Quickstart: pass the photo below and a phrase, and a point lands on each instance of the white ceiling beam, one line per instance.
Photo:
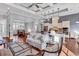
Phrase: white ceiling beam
(32, 13)
(21, 8)
(24, 9)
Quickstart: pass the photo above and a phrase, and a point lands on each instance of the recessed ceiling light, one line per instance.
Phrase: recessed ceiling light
(77, 22)
(8, 8)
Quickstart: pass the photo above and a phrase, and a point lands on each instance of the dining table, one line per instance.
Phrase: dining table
(50, 48)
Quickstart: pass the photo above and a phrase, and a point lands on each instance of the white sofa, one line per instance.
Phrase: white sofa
(39, 41)
(35, 40)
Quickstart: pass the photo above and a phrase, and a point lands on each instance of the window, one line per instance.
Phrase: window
(17, 26)
(1, 29)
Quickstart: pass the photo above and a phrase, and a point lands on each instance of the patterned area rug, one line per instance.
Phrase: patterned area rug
(20, 49)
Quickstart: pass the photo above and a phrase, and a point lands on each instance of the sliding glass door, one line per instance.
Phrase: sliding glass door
(2, 28)
(18, 26)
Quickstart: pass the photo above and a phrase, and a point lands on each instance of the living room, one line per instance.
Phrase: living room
(39, 29)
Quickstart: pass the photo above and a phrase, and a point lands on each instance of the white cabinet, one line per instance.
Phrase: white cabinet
(66, 24)
(66, 27)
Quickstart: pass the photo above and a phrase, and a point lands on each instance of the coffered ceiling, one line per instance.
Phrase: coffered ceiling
(47, 10)
(43, 10)
(36, 7)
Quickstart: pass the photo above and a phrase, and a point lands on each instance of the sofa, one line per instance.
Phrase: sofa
(35, 40)
(39, 41)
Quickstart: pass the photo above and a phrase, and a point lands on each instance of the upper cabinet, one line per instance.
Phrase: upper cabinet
(66, 24)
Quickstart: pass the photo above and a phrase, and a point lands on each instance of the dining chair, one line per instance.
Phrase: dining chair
(57, 49)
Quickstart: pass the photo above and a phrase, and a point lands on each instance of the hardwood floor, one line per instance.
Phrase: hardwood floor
(8, 52)
(5, 52)
(72, 45)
